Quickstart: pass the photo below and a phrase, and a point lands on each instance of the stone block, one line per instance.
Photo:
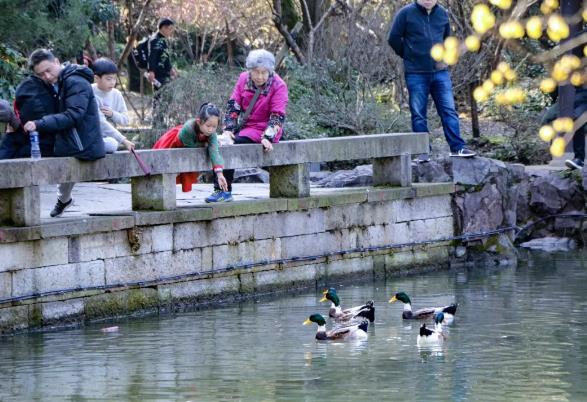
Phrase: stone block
(101, 246)
(60, 310)
(199, 289)
(342, 197)
(316, 244)
(432, 229)
(394, 171)
(20, 206)
(245, 253)
(289, 224)
(376, 236)
(390, 194)
(289, 181)
(5, 285)
(13, 235)
(286, 277)
(182, 214)
(431, 189)
(422, 208)
(231, 230)
(14, 318)
(190, 235)
(88, 225)
(254, 207)
(113, 304)
(57, 277)
(30, 254)
(155, 192)
(157, 238)
(301, 204)
(350, 266)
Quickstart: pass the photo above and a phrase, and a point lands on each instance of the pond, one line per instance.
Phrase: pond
(519, 334)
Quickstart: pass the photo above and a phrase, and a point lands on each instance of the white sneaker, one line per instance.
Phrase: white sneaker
(463, 153)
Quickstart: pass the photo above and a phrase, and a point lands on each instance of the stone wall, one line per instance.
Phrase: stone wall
(107, 266)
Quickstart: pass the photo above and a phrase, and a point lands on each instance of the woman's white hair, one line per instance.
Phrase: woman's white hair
(260, 58)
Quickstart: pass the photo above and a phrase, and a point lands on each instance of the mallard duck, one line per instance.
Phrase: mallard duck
(356, 331)
(435, 336)
(424, 313)
(367, 310)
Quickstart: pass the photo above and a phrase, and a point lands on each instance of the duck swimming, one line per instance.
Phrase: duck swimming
(428, 337)
(367, 310)
(347, 332)
(424, 313)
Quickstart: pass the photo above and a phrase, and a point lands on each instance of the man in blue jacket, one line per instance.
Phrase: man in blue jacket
(414, 30)
(77, 123)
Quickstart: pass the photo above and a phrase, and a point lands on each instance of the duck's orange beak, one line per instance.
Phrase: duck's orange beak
(323, 299)
(325, 291)
(393, 299)
(307, 322)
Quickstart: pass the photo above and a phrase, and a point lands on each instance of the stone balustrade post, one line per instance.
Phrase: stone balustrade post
(394, 171)
(20, 206)
(154, 192)
(289, 181)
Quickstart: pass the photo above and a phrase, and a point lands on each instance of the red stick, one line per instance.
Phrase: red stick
(142, 164)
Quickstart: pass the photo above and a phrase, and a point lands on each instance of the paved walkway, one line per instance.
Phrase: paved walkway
(104, 198)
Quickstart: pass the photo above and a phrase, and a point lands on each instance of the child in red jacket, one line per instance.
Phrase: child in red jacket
(197, 133)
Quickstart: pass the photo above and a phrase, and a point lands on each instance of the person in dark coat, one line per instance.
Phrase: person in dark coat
(34, 99)
(160, 71)
(76, 123)
(414, 30)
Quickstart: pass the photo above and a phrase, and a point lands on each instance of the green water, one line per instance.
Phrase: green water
(519, 335)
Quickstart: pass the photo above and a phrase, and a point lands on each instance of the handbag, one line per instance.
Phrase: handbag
(243, 119)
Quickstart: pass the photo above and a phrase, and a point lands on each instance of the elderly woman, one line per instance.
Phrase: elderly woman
(255, 112)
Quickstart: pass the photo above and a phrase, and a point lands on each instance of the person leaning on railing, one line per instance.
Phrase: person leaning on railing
(255, 112)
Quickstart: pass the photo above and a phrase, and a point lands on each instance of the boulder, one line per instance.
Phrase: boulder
(359, 176)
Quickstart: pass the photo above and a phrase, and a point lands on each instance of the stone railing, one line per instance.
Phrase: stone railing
(287, 165)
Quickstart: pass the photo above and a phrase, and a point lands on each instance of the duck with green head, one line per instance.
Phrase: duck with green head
(366, 310)
(428, 337)
(353, 331)
(424, 313)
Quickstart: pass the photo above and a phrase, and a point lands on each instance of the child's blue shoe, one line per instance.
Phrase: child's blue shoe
(219, 196)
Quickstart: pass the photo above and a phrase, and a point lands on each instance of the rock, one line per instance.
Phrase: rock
(359, 176)
(430, 172)
(317, 176)
(475, 171)
(460, 251)
(252, 175)
(552, 194)
(551, 244)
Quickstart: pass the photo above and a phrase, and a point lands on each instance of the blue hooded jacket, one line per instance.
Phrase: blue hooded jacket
(413, 33)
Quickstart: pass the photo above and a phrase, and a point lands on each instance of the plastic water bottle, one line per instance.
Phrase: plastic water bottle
(35, 149)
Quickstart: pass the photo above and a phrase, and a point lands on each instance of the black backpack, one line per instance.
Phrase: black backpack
(142, 51)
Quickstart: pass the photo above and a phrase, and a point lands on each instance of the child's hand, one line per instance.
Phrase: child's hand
(107, 110)
(228, 134)
(30, 126)
(222, 181)
(128, 145)
(267, 146)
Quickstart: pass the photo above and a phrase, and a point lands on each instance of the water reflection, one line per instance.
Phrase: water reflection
(519, 335)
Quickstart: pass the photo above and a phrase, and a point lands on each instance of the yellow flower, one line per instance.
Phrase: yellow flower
(557, 28)
(451, 56)
(546, 133)
(503, 4)
(534, 27)
(510, 75)
(496, 77)
(502, 67)
(548, 85)
(488, 86)
(480, 94)
(437, 52)
(563, 125)
(511, 30)
(472, 43)
(557, 149)
(451, 42)
(482, 18)
(577, 79)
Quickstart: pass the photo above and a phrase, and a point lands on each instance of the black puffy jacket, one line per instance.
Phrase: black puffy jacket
(34, 99)
(77, 123)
